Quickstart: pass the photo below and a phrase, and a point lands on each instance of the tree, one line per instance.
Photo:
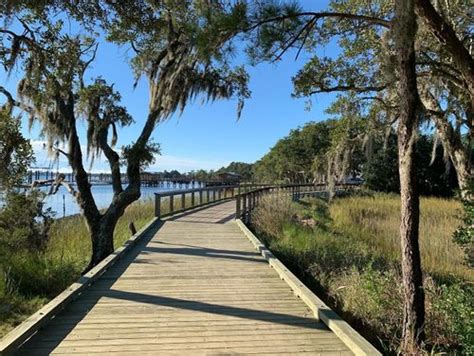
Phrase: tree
(241, 168)
(435, 177)
(16, 153)
(349, 136)
(404, 31)
(292, 157)
(170, 50)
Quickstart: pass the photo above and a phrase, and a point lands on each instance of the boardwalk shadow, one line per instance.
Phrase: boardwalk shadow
(189, 250)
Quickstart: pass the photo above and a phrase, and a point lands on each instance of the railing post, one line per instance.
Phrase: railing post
(183, 201)
(208, 194)
(192, 199)
(200, 197)
(244, 214)
(158, 206)
(171, 203)
(237, 207)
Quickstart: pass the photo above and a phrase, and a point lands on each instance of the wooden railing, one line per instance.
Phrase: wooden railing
(247, 201)
(177, 201)
(247, 196)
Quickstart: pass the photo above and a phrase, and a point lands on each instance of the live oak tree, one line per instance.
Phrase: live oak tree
(180, 47)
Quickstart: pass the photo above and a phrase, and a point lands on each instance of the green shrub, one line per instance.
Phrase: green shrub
(456, 304)
(24, 224)
(464, 235)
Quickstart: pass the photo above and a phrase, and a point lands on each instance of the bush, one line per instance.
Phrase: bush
(456, 304)
(464, 235)
(24, 225)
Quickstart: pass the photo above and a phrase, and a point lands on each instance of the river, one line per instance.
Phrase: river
(64, 203)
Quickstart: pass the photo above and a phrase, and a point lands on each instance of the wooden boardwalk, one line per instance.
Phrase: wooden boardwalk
(194, 285)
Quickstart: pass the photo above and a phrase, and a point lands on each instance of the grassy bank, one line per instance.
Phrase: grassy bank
(30, 279)
(348, 252)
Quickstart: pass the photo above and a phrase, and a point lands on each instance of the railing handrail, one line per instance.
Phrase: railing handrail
(273, 186)
(165, 193)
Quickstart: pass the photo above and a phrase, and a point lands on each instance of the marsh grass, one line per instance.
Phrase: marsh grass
(375, 220)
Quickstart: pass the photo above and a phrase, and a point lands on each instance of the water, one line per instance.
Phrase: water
(64, 204)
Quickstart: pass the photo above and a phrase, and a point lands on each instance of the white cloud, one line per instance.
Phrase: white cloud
(184, 164)
(164, 162)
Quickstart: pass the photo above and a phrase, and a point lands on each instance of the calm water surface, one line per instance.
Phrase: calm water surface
(64, 203)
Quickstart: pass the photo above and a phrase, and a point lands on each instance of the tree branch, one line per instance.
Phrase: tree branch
(352, 88)
(114, 162)
(446, 35)
(319, 15)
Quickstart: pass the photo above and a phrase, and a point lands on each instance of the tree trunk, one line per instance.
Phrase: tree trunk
(461, 163)
(413, 313)
(102, 236)
(452, 141)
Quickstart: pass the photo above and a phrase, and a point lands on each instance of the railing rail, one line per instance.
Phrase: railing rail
(247, 201)
(178, 201)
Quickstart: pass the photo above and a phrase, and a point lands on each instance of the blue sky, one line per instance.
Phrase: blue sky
(209, 136)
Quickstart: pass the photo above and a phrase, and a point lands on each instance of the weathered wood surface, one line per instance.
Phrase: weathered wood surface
(196, 286)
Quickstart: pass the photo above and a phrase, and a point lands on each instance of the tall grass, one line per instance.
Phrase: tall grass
(376, 220)
(348, 252)
(31, 279)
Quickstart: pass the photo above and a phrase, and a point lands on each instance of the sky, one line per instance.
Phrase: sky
(206, 136)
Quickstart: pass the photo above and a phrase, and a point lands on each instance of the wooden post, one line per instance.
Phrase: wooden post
(192, 199)
(183, 201)
(131, 227)
(244, 205)
(219, 194)
(237, 207)
(157, 205)
(208, 196)
(200, 197)
(171, 203)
